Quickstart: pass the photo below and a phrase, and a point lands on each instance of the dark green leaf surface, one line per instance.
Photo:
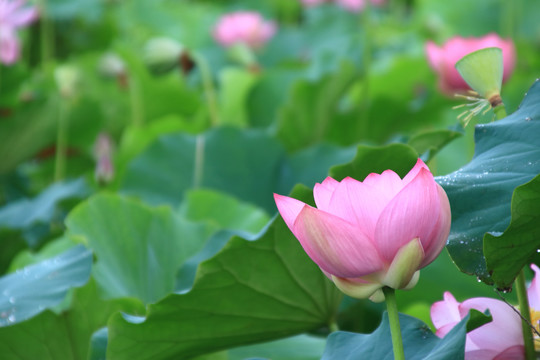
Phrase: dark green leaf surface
(41, 209)
(35, 288)
(247, 164)
(139, 248)
(306, 119)
(64, 336)
(223, 210)
(225, 159)
(369, 159)
(301, 347)
(508, 253)
(429, 143)
(507, 153)
(252, 291)
(98, 345)
(419, 342)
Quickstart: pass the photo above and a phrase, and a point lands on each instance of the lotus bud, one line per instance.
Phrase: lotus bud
(365, 235)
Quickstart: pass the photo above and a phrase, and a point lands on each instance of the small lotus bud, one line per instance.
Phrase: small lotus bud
(483, 71)
(103, 151)
(162, 54)
(111, 65)
(243, 55)
(67, 79)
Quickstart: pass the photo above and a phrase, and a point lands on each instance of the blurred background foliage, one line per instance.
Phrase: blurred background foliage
(332, 89)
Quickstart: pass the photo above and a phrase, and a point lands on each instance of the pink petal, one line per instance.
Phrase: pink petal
(322, 193)
(337, 246)
(388, 183)
(23, 17)
(288, 208)
(341, 203)
(441, 230)
(412, 213)
(414, 171)
(9, 46)
(481, 354)
(513, 353)
(533, 292)
(434, 55)
(445, 312)
(503, 332)
(442, 331)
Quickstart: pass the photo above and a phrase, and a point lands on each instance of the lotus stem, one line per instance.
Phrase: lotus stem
(393, 318)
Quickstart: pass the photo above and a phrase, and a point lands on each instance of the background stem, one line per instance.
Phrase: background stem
(525, 311)
(500, 111)
(393, 318)
(208, 85)
(61, 141)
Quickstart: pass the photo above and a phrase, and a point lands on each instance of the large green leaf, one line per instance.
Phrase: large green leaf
(507, 153)
(301, 347)
(247, 164)
(251, 291)
(310, 113)
(43, 208)
(419, 342)
(370, 159)
(64, 336)
(223, 210)
(226, 159)
(139, 248)
(31, 290)
(508, 253)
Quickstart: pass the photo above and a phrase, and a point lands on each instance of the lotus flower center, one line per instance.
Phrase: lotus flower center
(535, 321)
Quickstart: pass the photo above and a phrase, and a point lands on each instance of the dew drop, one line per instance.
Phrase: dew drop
(11, 319)
(528, 119)
(12, 300)
(538, 250)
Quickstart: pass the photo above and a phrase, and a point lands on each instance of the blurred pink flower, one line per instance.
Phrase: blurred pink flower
(358, 5)
(443, 59)
(247, 27)
(533, 294)
(375, 233)
(103, 153)
(13, 16)
(500, 339)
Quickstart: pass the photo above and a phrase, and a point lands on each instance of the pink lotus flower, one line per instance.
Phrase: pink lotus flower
(533, 294)
(13, 16)
(245, 27)
(358, 5)
(500, 339)
(443, 59)
(371, 234)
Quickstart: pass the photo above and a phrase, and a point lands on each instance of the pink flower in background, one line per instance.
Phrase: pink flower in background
(533, 294)
(12, 16)
(500, 339)
(358, 5)
(375, 233)
(103, 153)
(443, 59)
(247, 27)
